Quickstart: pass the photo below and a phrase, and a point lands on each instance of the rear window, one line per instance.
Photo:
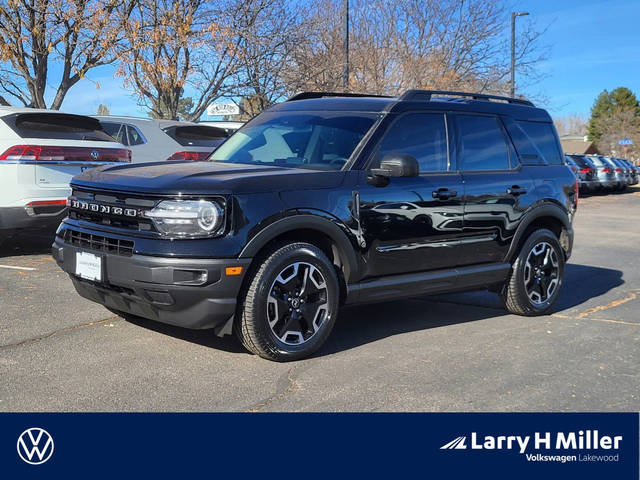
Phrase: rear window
(57, 126)
(581, 161)
(544, 138)
(197, 136)
(482, 143)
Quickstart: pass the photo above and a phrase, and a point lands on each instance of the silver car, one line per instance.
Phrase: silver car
(620, 173)
(157, 140)
(604, 172)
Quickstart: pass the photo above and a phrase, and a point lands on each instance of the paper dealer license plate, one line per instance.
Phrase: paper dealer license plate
(89, 266)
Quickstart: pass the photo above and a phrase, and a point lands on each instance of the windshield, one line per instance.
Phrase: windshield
(314, 140)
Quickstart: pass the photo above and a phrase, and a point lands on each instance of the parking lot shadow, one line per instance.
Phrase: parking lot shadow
(206, 338)
(582, 282)
(368, 323)
(26, 244)
(362, 324)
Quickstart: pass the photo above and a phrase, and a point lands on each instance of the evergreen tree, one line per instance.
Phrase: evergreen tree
(608, 106)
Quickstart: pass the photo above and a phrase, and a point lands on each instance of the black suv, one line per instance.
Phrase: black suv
(330, 199)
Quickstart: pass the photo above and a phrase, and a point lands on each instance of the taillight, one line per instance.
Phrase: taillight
(45, 203)
(606, 170)
(586, 170)
(618, 170)
(575, 206)
(190, 156)
(50, 153)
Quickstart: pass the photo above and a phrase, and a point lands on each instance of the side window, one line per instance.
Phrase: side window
(482, 144)
(544, 138)
(135, 137)
(421, 135)
(115, 130)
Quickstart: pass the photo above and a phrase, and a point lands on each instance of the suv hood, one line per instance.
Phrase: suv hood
(205, 178)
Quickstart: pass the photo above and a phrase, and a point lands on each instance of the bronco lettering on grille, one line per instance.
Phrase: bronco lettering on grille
(96, 207)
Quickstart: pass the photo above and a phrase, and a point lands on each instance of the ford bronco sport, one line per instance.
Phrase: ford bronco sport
(330, 199)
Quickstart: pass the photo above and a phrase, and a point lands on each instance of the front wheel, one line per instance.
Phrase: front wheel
(536, 275)
(290, 305)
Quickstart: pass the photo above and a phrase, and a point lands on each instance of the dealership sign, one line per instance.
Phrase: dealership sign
(222, 109)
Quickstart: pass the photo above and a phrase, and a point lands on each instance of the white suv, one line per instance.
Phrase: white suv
(40, 151)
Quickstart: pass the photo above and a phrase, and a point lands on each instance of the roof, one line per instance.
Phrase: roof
(6, 110)
(161, 122)
(577, 144)
(415, 100)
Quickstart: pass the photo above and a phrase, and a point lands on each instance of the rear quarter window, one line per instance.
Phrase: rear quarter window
(543, 137)
(197, 136)
(57, 126)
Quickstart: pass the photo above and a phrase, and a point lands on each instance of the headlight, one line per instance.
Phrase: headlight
(187, 218)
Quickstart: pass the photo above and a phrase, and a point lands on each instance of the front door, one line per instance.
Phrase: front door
(412, 224)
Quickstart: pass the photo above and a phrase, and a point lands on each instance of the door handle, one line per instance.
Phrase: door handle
(444, 194)
(516, 190)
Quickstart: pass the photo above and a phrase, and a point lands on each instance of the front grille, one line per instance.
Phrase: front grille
(112, 210)
(91, 241)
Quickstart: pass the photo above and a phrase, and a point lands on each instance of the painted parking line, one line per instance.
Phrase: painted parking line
(11, 267)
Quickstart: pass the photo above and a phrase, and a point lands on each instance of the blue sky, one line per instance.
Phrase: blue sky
(593, 45)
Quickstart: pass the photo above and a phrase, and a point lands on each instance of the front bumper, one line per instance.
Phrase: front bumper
(167, 290)
(13, 219)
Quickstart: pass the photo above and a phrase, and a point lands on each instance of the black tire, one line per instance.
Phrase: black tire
(516, 295)
(259, 308)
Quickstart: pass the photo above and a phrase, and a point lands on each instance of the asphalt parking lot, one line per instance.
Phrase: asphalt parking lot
(461, 352)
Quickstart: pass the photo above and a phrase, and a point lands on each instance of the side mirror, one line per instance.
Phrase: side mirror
(393, 165)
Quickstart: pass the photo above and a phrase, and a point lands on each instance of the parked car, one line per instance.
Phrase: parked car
(619, 172)
(155, 140)
(330, 199)
(40, 151)
(632, 169)
(604, 172)
(626, 170)
(584, 171)
(229, 127)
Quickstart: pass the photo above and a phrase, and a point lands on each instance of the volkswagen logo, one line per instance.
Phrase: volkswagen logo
(35, 446)
(95, 154)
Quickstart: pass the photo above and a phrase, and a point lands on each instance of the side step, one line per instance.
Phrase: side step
(425, 283)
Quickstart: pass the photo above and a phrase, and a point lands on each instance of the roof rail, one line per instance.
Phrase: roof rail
(425, 96)
(309, 95)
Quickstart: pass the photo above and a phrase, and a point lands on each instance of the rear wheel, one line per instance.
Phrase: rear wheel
(536, 275)
(290, 305)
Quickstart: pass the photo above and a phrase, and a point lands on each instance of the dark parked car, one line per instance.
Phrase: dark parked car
(330, 199)
(633, 171)
(584, 171)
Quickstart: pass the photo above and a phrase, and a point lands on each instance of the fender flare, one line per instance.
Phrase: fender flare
(548, 210)
(312, 222)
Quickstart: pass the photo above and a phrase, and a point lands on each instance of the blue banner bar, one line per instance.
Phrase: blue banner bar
(386, 445)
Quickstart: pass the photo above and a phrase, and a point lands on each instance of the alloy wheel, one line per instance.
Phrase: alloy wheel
(298, 303)
(541, 273)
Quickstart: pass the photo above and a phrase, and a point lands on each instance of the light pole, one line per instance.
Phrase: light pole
(513, 49)
(345, 45)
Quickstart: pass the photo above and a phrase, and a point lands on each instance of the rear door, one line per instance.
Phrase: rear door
(497, 190)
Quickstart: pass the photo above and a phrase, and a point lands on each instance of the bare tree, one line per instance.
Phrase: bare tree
(80, 34)
(267, 32)
(401, 44)
(177, 47)
(572, 124)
